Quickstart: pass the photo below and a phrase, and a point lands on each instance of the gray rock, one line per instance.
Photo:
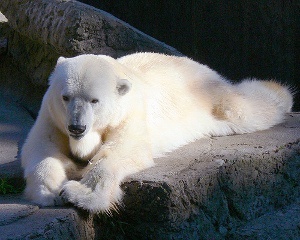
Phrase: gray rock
(46, 29)
(208, 188)
(282, 224)
(21, 220)
(72, 27)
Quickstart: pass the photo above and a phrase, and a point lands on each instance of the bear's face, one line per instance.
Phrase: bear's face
(89, 92)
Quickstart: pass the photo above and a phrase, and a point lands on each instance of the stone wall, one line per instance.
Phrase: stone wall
(40, 31)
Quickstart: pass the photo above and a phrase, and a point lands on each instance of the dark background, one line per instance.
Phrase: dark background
(238, 38)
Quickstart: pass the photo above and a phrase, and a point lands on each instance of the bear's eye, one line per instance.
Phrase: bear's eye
(94, 101)
(65, 98)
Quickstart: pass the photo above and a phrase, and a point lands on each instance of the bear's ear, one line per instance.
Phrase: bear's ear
(123, 86)
(60, 60)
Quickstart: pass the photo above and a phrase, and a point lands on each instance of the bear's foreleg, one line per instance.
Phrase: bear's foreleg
(44, 182)
(46, 165)
(99, 190)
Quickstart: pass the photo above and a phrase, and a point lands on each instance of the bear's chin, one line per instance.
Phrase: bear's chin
(85, 146)
(76, 137)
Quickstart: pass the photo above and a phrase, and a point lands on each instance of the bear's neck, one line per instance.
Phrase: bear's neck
(86, 148)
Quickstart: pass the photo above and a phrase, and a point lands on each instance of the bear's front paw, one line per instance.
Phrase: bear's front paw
(75, 192)
(95, 201)
(42, 196)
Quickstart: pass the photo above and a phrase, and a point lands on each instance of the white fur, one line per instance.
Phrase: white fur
(134, 109)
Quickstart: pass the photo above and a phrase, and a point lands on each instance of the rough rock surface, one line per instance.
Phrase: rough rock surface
(21, 220)
(45, 29)
(280, 224)
(72, 28)
(209, 188)
(35, 33)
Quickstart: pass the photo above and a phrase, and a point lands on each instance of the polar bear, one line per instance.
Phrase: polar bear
(103, 119)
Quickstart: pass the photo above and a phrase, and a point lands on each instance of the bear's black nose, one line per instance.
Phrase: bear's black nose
(76, 129)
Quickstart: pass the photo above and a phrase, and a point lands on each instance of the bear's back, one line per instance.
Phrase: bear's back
(176, 91)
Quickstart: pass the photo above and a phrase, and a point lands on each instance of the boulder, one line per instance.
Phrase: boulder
(43, 30)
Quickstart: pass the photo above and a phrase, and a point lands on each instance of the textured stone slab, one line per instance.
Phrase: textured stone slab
(13, 210)
(281, 224)
(42, 30)
(21, 220)
(206, 189)
(72, 27)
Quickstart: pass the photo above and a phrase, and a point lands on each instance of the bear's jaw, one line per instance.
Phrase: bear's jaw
(76, 137)
(86, 146)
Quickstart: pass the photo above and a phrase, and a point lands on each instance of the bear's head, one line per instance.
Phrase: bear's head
(86, 93)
